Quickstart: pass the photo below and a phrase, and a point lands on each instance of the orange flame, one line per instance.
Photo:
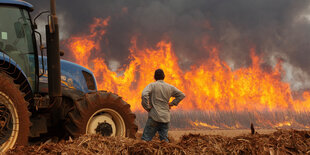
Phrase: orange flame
(281, 124)
(205, 125)
(210, 85)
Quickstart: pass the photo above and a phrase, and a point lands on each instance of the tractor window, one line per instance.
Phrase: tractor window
(16, 39)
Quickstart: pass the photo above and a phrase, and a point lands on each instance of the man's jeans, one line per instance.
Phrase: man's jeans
(152, 127)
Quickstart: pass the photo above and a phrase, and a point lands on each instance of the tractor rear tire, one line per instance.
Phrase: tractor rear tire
(104, 112)
(14, 115)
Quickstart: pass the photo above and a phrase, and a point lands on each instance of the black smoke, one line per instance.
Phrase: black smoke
(276, 28)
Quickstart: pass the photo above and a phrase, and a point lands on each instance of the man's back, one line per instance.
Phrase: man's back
(158, 94)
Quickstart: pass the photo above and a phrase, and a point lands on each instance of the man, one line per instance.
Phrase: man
(155, 100)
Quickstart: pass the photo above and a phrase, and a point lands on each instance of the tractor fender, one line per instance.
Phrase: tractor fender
(11, 68)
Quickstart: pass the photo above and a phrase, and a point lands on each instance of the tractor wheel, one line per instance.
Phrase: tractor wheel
(103, 113)
(14, 115)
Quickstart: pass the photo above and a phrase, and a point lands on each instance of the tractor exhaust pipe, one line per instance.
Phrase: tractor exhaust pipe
(53, 54)
(53, 66)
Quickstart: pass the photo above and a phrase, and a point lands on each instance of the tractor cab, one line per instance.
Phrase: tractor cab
(17, 37)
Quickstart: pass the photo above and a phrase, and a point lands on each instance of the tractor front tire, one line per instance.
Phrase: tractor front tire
(14, 115)
(103, 113)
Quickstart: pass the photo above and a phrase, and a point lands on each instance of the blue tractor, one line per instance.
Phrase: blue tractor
(44, 96)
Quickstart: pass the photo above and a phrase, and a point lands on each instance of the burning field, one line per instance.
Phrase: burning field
(237, 64)
(209, 85)
(279, 142)
(217, 96)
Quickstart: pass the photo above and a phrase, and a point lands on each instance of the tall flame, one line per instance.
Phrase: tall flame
(209, 85)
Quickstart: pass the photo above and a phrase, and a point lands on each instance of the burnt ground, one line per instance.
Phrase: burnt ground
(279, 142)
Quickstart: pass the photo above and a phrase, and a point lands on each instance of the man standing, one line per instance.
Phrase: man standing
(155, 100)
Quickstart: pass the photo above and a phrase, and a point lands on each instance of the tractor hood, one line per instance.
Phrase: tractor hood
(73, 76)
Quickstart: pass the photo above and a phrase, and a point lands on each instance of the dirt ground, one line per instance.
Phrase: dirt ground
(227, 133)
(177, 134)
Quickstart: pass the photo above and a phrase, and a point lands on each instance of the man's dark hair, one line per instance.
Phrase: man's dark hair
(159, 74)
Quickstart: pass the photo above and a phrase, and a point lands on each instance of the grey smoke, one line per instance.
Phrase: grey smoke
(276, 28)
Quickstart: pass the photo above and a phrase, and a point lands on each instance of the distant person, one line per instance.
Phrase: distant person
(155, 100)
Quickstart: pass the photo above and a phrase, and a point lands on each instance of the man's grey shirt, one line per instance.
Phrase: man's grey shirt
(155, 99)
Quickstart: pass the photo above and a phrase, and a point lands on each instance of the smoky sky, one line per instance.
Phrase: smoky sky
(275, 28)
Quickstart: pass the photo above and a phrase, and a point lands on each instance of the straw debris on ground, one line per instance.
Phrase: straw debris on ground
(279, 142)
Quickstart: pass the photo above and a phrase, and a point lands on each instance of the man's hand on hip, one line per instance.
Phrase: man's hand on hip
(170, 105)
